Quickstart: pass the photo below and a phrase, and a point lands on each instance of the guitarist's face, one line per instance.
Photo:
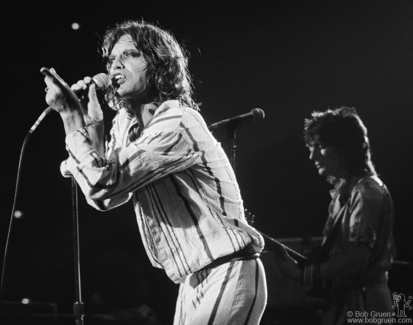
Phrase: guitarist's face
(326, 160)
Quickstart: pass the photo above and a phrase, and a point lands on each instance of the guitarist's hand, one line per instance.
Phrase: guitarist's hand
(288, 265)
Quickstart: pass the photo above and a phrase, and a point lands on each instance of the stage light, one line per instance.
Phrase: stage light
(18, 214)
(25, 301)
(75, 26)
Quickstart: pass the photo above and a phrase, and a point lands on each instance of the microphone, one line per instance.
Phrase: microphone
(256, 114)
(101, 80)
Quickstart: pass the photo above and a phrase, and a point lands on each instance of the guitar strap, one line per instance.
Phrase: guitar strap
(334, 231)
(320, 287)
(329, 241)
(343, 201)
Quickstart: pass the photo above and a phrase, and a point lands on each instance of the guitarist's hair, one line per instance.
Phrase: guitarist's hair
(342, 129)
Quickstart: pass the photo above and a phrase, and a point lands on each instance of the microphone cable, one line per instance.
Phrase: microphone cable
(16, 191)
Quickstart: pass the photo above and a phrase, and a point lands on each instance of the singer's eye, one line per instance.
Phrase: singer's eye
(109, 62)
(130, 55)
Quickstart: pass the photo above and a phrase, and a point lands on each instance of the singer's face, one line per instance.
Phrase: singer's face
(127, 70)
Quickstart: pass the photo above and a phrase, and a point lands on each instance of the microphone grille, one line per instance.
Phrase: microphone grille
(102, 80)
(258, 114)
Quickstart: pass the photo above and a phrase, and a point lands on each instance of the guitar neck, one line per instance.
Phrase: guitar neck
(275, 246)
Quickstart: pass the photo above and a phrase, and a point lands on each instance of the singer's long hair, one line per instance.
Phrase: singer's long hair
(167, 72)
(342, 129)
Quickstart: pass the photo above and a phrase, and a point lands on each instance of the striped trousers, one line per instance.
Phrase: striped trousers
(234, 293)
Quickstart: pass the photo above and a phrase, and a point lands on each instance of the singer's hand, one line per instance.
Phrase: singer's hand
(63, 100)
(59, 95)
(92, 112)
(86, 90)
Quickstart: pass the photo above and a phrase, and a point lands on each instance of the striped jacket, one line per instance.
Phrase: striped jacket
(187, 201)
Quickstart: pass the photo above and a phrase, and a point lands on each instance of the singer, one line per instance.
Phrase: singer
(358, 247)
(161, 154)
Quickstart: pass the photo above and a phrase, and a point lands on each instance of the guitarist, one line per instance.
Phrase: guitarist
(358, 243)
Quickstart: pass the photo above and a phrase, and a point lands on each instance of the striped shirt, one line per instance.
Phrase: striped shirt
(186, 198)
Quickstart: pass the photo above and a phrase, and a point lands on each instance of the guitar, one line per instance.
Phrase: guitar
(318, 255)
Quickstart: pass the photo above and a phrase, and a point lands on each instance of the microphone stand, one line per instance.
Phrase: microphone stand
(78, 304)
(232, 123)
(231, 135)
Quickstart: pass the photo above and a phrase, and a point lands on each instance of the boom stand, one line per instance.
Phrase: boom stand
(78, 305)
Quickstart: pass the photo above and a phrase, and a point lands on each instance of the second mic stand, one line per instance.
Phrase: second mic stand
(231, 135)
(78, 305)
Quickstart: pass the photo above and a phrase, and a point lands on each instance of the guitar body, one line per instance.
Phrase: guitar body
(321, 288)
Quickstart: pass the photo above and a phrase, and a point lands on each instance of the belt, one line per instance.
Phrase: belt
(247, 253)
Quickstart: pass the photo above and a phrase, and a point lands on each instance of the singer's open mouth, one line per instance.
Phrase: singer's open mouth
(117, 79)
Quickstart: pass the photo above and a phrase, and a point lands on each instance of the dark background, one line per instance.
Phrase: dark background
(288, 58)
